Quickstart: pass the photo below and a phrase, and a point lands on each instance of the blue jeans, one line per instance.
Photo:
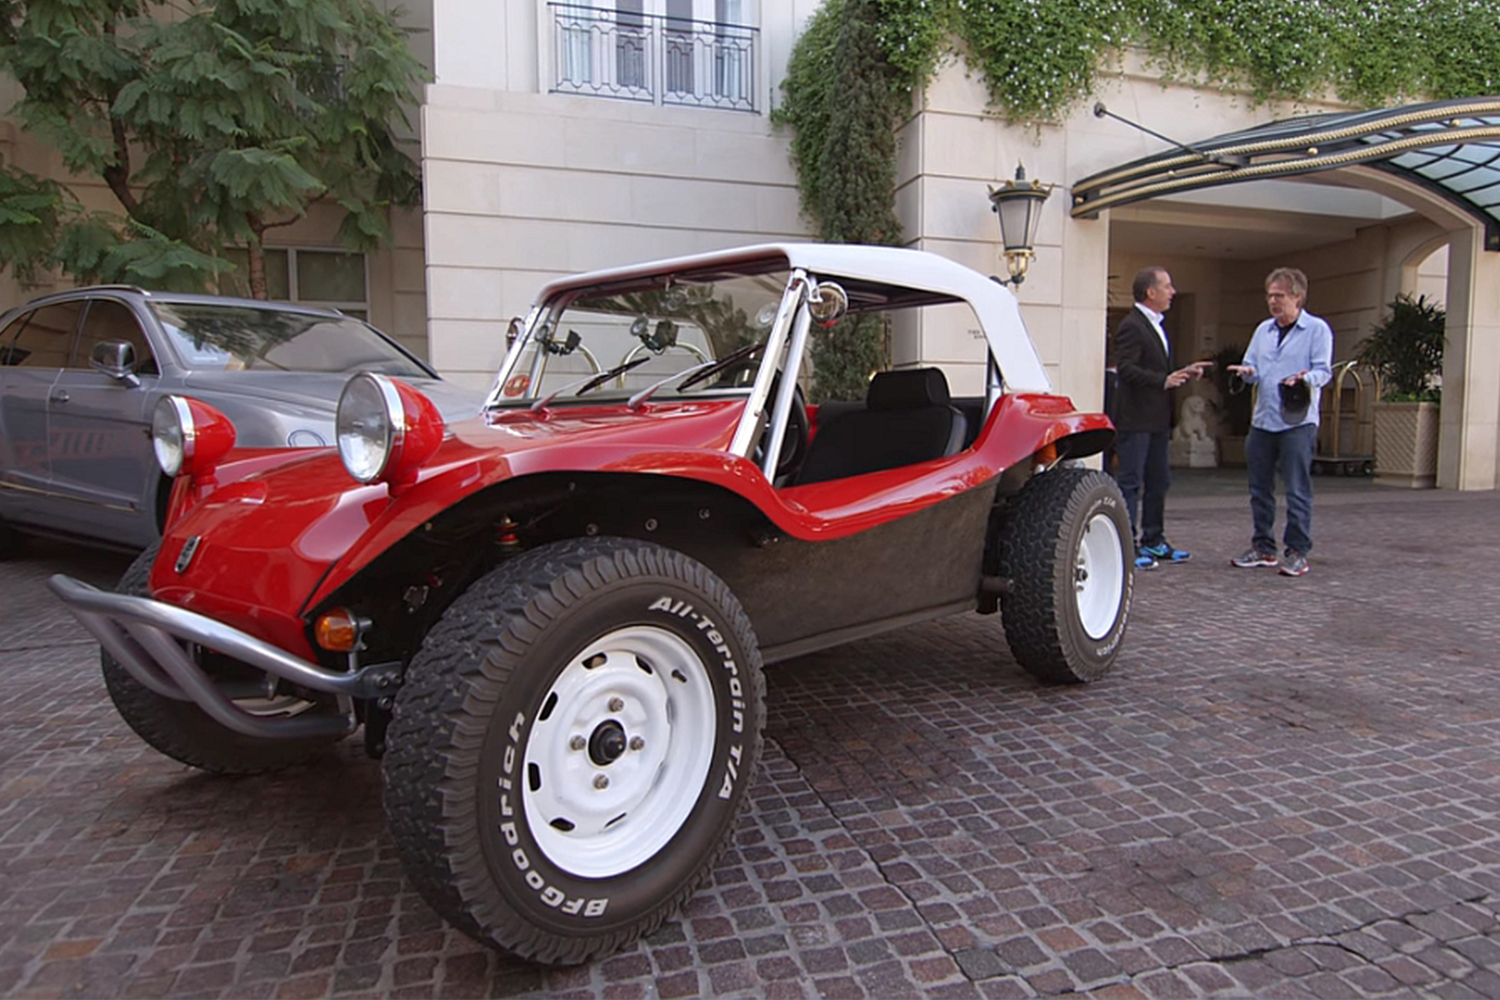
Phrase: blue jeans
(1290, 453)
(1144, 474)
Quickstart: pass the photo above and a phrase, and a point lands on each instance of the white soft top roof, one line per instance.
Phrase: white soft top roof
(994, 305)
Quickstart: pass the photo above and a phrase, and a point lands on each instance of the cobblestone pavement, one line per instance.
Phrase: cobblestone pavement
(1287, 788)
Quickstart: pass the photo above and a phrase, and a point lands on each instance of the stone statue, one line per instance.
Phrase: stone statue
(1193, 443)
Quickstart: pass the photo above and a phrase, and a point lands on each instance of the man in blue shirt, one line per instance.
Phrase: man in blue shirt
(1289, 357)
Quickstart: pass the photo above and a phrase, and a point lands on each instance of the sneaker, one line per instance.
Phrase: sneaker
(1163, 552)
(1145, 560)
(1293, 564)
(1252, 558)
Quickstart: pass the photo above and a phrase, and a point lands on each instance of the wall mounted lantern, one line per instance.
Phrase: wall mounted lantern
(1018, 203)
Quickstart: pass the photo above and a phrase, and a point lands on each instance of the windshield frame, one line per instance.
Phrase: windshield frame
(524, 358)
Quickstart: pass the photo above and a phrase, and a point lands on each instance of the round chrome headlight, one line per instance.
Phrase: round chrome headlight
(369, 425)
(172, 433)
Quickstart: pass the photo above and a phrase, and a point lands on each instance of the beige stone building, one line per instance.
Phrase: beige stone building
(560, 137)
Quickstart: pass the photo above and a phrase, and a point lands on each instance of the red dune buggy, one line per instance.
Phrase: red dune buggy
(550, 620)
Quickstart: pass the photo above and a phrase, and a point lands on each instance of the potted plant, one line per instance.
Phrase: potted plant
(1406, 353)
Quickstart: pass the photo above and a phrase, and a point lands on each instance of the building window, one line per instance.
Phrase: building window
(631, 39)
(733, 72)
(677, 47)
(695, 53)
(331, 278)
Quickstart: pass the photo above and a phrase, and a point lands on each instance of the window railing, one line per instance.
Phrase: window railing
(653, 58)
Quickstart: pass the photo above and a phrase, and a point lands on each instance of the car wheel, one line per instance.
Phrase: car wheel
(1065, 544)
(572, 745)
(183, 731)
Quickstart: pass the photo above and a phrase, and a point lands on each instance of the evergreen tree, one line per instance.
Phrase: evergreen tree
(211, 124)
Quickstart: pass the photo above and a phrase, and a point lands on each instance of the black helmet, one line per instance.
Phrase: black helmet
(1295, 398)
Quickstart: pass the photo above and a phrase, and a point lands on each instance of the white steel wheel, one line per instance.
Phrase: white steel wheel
(1099, 575)
(619, 751)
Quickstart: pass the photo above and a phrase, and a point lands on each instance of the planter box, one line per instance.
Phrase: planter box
(1406, 444)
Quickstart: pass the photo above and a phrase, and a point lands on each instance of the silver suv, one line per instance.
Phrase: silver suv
(81, 372)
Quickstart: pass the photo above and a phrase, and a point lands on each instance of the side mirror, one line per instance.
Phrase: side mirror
(828, 303)
(115, 358)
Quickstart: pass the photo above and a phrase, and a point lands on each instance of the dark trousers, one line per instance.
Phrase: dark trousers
(1289, 453)
(1144, 475)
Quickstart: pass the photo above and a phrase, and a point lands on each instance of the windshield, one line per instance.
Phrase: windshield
(652, 334)
(221, 337)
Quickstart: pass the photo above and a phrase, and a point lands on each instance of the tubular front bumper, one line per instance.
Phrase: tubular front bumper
(147, 637)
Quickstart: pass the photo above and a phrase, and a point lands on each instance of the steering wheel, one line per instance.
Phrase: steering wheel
(798, 433)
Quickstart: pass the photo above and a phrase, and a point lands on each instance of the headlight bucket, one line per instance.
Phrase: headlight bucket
(188, 436)
(385, 430)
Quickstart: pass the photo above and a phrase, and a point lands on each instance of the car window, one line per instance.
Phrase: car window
(111, 320)
(664, 331)
(45, 337)
(215, 337)
(9, 355)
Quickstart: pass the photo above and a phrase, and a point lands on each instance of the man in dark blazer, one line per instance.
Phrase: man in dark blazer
(1143, 414)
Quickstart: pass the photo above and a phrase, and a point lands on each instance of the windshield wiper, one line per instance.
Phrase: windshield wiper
(698, 373)
(704, 372)
(583, 385)
(635, 401)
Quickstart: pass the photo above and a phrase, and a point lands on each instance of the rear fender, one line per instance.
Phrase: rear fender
(1027, 429)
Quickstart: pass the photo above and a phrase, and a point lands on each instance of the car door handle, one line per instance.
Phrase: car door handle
(58, 396)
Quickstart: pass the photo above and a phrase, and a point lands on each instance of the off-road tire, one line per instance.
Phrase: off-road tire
(1057, 629)
(478, 742)
(183, 731)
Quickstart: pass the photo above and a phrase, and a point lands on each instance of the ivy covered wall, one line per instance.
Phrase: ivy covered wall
(1037, 60)
(1040, 57)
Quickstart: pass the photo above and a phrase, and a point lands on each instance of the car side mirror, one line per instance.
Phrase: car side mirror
(828, 303)
(115, 358)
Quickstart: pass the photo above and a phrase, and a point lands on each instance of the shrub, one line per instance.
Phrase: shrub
(1406, 349)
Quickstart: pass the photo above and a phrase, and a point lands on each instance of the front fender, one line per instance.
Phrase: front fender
(241, 463)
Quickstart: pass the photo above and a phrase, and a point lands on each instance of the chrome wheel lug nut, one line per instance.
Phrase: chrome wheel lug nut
(577, 743)
(601, 782)
(616, 704)
(636, 743)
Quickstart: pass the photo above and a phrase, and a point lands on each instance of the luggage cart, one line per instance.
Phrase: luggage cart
(1346, 437)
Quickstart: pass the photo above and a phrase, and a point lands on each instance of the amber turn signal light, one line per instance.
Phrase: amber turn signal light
(338, 631)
